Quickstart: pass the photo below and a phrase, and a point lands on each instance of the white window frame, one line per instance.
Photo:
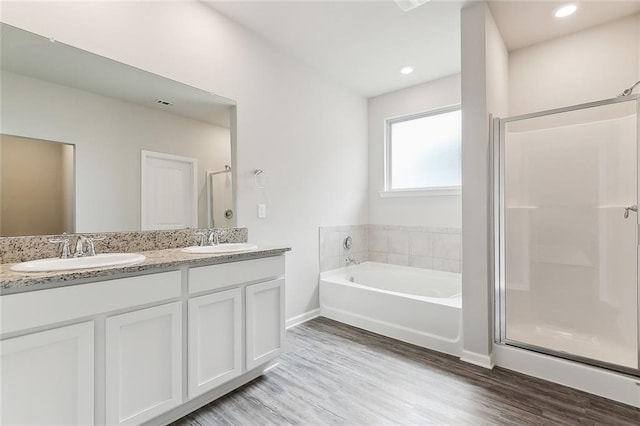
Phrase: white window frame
(413, 192)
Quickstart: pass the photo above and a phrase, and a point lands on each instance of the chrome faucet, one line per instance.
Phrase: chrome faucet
(212, 240)
(91, 248)
(84, 246)
(202, 238)
(350, 260)
(65, 252)
(80, 243)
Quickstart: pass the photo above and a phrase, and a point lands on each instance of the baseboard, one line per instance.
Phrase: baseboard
(299, 319)
(475, 358)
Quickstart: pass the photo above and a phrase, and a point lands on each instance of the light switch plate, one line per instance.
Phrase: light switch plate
(262, 211)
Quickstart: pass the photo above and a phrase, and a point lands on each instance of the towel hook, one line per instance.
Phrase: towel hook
(257, 173)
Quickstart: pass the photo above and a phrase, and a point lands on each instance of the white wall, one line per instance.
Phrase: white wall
(307, 133)
(433, 211)
(108, 135)
(484, 91)
(590, 65)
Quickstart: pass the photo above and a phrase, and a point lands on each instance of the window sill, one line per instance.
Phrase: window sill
(424, 192)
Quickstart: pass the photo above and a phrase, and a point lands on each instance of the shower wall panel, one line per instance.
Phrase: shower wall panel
(570, 255)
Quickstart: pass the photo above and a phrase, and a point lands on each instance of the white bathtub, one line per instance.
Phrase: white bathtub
(418, 306)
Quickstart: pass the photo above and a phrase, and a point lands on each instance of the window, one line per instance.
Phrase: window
(424, 152)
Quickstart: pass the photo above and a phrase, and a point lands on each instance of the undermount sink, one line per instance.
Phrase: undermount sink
(97, 261)
(220, 248)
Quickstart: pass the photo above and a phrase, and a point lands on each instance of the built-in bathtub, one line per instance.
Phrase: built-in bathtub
(418, 306)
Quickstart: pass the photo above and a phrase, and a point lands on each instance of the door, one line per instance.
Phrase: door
(168, 191)
(143, 363)
(568, 276)
(265, 322)
(215, 340)
(47, 377)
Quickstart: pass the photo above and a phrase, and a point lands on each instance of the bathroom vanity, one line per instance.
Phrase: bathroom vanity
(144, 343)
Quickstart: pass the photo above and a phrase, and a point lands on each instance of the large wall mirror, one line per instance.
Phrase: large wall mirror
(88, 144)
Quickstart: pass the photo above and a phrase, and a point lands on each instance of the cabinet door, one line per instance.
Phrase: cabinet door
(265, 322)
(143, 363)
(47, 377)
(215, 340)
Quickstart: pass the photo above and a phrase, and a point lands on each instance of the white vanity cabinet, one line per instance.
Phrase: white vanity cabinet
(143, 363)
(53, 346)
(215, 340)
(47, 377)
(143, 349)
(265, 322)
(238, 296)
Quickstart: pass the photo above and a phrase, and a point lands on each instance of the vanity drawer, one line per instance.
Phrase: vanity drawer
(37, 308)
(205, 278)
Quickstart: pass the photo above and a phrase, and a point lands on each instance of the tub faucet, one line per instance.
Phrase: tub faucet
(350, 260)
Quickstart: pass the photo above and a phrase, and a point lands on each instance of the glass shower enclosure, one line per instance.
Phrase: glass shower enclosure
(566, 226)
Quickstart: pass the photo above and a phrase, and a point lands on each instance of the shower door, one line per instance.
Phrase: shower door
(567, 232)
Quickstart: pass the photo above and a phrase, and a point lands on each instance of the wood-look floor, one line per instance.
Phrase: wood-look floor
(336, 374)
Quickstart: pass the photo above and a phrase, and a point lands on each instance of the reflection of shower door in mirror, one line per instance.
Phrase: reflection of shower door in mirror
(568, 227)
(168, 191)
(220, 212)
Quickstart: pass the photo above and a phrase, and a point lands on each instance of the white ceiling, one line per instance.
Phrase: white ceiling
(524, 22)
(28, 54)
(363, 44)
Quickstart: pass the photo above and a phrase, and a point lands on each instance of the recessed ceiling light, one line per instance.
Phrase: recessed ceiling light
(406, 70)
(566, 10)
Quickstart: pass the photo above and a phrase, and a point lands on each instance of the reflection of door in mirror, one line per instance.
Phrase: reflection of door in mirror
(220, 199)
(168, 191)
(37, 188)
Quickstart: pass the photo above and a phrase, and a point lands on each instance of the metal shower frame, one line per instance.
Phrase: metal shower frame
(498, 227)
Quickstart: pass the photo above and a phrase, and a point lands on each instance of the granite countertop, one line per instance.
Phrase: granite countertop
(157, 260)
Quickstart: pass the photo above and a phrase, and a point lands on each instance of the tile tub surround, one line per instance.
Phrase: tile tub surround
(22, 249)
(421, 247)
(332, 251)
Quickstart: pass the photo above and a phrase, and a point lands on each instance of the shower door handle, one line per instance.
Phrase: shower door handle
(633, 208)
